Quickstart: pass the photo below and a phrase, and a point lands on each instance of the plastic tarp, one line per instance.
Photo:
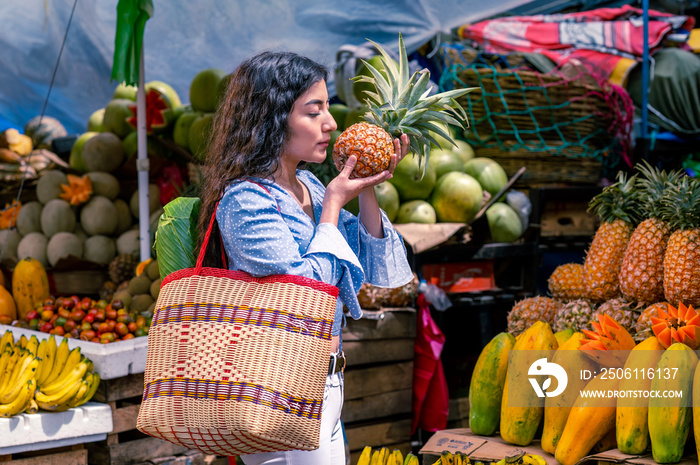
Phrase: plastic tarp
(183, 38)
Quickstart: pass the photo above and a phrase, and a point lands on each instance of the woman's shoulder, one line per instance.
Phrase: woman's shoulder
(248, 191)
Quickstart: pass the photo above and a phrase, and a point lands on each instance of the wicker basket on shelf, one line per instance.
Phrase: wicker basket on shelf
(569, 120)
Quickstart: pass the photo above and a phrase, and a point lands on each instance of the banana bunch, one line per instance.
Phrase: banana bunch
(383, 456)
(522, 459)
(449, 458)
(18, 366)
(65, 377)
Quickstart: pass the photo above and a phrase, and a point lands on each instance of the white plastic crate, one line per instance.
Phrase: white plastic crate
(112, 360)
(46, 430)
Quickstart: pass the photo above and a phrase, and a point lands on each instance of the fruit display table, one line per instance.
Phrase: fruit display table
(47, 430)
(112, 360)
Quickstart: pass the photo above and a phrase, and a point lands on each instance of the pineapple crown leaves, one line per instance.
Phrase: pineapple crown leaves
(680, 204)
(653, 184)
(402, 104)
(618, 201)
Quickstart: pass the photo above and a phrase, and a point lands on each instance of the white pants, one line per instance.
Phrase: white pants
(331, 449)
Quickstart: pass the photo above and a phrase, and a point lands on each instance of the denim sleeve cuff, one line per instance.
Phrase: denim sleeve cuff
(391, 268)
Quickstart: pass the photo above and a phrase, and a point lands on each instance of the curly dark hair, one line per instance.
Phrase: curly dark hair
(250, 128)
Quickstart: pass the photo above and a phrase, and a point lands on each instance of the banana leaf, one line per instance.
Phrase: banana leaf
(177, 235)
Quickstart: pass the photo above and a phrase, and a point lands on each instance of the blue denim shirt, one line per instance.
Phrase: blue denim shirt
(265, 231)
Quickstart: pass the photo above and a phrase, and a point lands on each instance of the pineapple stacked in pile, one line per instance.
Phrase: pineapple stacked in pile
(644, 255)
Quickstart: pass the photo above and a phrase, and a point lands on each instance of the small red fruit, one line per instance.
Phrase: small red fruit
(77, 315)
(121, 329)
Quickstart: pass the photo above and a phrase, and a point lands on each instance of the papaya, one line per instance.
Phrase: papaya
(521, 409)
(696, 410)
(631, 417)
(30, 285)
(556, 409)
(669, 417)
(564, 335)
(590, 420)
(486, 385)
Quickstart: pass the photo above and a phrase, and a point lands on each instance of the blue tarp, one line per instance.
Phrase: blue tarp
(183, 38)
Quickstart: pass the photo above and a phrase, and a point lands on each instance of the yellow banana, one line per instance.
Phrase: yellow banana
(73, 371)
(59, 401)
(5, 356)
(81, 397)
(22, 341)
(27, 372)
(62, 352)
(447, 458)
(48, 361)
(32, 407)
(534, 459)
(74, 376)
(438, 461)
(7, 338)
(9, 366)
(383, 455)
(375, 458)
(18, 405)
(398, 457)
(412, 459)
(94, 383)
(33, 344)
(22, 360)
(365, 456)
(41, 355)
(456, 458)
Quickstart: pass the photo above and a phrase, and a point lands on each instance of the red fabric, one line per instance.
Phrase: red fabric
(430, 394)
(598, 37)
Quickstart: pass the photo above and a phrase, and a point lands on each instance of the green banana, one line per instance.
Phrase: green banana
(62, 352)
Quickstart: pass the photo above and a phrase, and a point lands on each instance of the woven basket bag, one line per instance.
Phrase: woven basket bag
(237, 364)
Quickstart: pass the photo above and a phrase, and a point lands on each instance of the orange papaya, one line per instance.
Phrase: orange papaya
(590, 420)
(556, 409)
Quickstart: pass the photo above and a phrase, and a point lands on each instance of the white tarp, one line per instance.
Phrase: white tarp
(184, 37)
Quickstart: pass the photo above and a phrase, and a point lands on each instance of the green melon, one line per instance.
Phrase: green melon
(99, 249)
(128, 243)
(124, 217)
(63, 245)
(103, 152)
(153, 200)
(96, 121)
(126, 92)
(98, 216)
(204, 89)
(33, 245)
(181, 131)
(80, 232)
(57, 216)
(117, 112)
(48, 187)
(200, 130)
(10, 238)
(29, 218)
(104, 184)
(76, 160)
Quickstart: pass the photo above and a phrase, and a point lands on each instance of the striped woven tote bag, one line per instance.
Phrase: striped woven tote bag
(237, 364)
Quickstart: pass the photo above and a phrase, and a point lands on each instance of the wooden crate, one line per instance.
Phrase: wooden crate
(379, 380)
(459, 413)
(125, 444)
(568, 219)
(73, 455)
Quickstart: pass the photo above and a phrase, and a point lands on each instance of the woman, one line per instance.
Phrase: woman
(274, 218)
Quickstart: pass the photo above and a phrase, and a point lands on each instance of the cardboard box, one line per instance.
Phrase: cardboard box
(492, 449)
(461, 277)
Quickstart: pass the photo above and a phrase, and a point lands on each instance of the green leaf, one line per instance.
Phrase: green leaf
(177, 235)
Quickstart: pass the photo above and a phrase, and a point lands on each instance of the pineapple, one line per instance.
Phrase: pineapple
(400, 105)
(576, 315)
(623, 311)
(566, 282)
(642, 272)
(122, 268)
(643, 327)
(681, 209)
(617, 207)
(527, 311)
